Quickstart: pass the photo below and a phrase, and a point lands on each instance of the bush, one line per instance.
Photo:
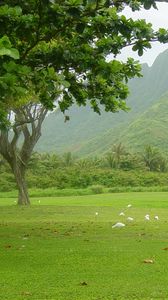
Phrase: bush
(7, 182)
(96, 189)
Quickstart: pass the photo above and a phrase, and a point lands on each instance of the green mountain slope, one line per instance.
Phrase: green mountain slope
(150, 128)
(89, 134)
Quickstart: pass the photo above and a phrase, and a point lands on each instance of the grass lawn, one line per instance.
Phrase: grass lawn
(59, 249)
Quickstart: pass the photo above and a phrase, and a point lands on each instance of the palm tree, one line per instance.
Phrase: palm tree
(150, 158)
(113, 158)
(67, 159)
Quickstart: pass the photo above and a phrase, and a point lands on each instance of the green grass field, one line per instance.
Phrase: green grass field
(59, 249)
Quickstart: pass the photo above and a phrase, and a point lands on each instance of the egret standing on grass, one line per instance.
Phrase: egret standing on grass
(130, 219)
(147, 218)
(118, 225)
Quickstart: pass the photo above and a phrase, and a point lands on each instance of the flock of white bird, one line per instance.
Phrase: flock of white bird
(130, 219)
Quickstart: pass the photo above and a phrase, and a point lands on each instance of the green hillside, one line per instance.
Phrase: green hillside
(90, 134)
(150, 128)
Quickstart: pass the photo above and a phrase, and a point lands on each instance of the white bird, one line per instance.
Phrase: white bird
(118, 225)
(129, 205)
(130, 219)
(121, 214)
(96, 213)
(156, 218)
(147, 217)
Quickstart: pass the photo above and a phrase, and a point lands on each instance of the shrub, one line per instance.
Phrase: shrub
(97, 189)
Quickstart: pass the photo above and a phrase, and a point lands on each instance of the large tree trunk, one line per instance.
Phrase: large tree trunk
(19, 173)
(28, 121)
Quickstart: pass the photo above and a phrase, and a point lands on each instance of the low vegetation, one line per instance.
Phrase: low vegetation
(118, 170)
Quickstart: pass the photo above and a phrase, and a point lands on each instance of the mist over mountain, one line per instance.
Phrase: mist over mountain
(90, 134)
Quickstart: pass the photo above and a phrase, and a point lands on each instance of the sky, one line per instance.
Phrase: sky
(159, 19)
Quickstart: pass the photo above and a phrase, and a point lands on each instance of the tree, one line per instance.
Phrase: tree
(53, 53)
(113, 158)
(27, 121)
(68, 159)
(153, 159)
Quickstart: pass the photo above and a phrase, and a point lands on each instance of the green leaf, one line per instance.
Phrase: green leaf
(4, 51)
(135, 48)
(5, 42)
(140, 51)
(147, 4)
(75, 2)
(14, 53)
(66, 83)
(10, 66)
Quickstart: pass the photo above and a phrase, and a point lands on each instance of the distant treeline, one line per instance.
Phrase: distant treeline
(117, 168)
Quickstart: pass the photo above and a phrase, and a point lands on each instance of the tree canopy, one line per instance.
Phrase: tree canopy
(57, 50)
